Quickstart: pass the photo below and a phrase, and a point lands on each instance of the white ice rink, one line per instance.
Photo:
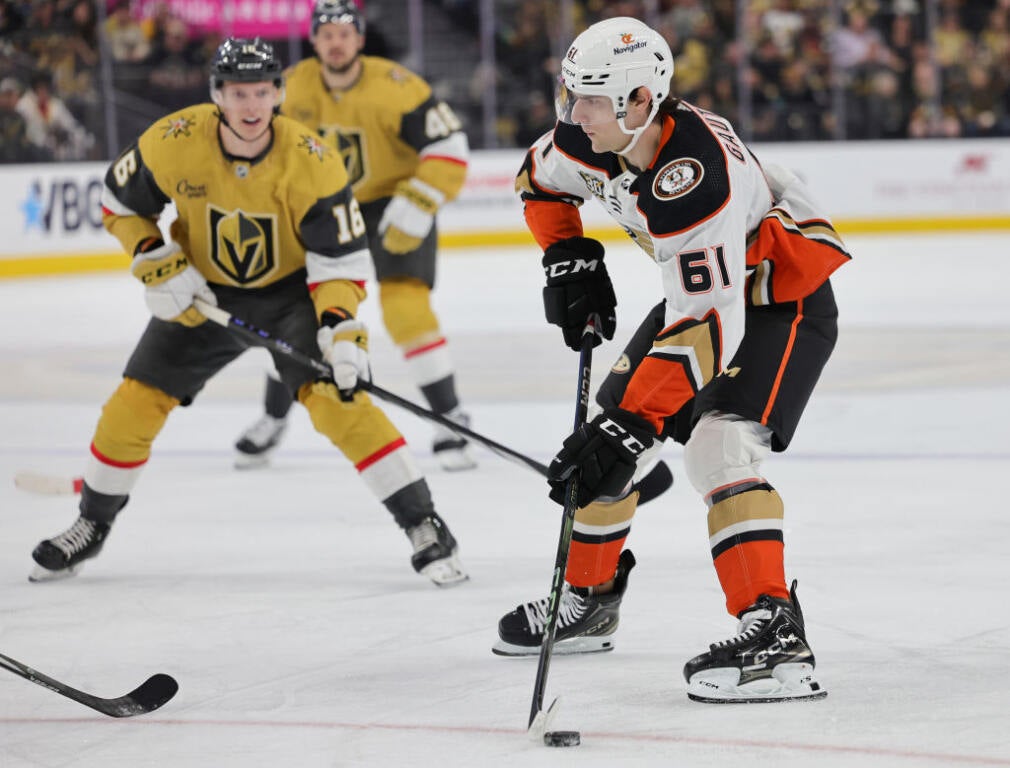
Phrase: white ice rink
(284, 603)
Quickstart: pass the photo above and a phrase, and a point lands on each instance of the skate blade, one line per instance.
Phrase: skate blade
(41, 574)
(251, 460)
(570, 647)
(789, 682)
(543, 721)
(455, 460)
(447, 572)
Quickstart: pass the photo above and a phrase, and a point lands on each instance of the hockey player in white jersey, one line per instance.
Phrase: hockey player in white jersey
(725, 363)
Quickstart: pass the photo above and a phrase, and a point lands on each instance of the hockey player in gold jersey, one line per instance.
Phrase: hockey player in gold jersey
(268, 229)
(406, 155)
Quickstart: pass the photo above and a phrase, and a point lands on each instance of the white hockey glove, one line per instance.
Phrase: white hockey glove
(344, 344)
(171, 283)
(409, 215)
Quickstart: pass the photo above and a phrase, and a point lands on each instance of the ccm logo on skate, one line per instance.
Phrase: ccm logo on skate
(777, 647)
(629, 442)
(572, 267)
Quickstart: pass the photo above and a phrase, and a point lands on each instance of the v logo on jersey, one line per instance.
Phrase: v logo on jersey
(349, 144)
(242, 244)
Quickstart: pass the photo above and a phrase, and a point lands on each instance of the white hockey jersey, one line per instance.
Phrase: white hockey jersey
(725, 233)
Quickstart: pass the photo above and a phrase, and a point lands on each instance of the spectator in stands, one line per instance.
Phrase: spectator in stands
(951, 39)
(126, 38)
(535, 120)
(177, 75)
(50, 125)
(12, 20)
(857, 42)
(14, 144)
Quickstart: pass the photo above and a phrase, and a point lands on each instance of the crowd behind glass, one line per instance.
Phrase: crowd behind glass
(781, 70)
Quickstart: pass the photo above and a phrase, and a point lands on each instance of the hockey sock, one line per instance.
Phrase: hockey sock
(441, 395)
(597, 540)
(745, 532)
(100, 507)
(278, 399)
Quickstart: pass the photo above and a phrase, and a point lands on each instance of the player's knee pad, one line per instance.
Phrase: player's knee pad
(725, 449)
(130, 421)
(406, 311)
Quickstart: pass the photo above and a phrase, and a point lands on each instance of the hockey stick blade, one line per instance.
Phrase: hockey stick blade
(542, 722)
(655, 483)
(48, 485)
(147, 697)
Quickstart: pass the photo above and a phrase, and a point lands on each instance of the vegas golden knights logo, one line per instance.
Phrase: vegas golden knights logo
(242, 244)
(349, 145)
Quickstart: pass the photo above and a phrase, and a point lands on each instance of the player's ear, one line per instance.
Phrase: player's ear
(641, 95)
(281, 92)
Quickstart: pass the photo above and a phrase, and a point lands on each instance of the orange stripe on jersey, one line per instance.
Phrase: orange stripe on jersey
(804, 254)
(551, 221)
(658, 388)
(684, 357)
(785, 361)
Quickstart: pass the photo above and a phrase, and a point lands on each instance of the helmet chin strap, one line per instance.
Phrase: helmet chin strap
(636, 133)
(242, 138)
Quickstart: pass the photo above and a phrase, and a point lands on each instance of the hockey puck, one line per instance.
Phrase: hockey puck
(562, 738)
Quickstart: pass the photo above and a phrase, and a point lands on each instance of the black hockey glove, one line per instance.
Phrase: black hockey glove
(578, 286)
(605, 450)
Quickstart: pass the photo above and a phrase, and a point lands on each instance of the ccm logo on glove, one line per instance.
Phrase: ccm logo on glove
(627, 440)
(572, 267)
(579, 290)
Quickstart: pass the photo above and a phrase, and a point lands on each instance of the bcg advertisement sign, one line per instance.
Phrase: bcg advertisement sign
(53, 209)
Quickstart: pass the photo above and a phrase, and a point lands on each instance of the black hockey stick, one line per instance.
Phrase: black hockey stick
(655, 483)
(265, 339)
(538, 716)
(147, 697)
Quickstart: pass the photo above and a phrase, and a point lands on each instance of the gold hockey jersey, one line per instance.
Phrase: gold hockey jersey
(242, 223)
(387, 126)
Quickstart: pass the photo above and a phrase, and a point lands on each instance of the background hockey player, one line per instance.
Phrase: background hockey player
(268, 229)
(406, 155)
(725, 363)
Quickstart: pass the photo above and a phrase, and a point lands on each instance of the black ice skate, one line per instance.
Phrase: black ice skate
(586, 623)
(450, 449)
(61, 556)
(768, 660)
(435, 552)
(254, 447)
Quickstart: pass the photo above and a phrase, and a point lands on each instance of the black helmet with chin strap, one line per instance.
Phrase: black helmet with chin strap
(241, 60)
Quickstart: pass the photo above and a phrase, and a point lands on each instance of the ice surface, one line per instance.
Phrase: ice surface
(284, 603)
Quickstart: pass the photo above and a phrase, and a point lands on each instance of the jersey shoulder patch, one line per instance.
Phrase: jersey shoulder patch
(386, 79)
(179, 138)
(689, 182)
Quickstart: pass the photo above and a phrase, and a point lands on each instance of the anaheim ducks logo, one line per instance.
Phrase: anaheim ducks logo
(242, 244)
(180, 126)
(678, 178)
(623, 365)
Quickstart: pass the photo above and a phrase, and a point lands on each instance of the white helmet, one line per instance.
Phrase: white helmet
(612, 58)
